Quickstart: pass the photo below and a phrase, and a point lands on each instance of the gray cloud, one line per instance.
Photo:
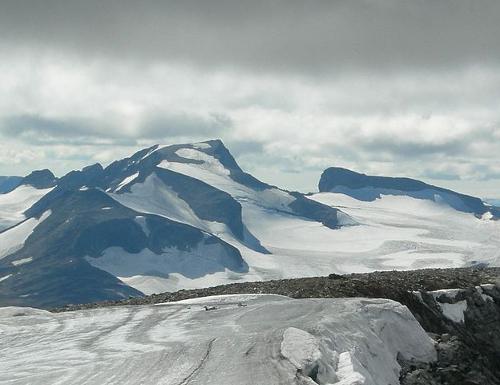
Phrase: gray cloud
(168, 125)
(281, 35)
(40, 130)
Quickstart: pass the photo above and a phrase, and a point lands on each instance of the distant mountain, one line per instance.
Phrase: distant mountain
(167, 217)
(9, 183)
(187, 216)
(368, 188)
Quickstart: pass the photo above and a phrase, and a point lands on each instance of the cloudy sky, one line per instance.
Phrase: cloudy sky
(390, 87)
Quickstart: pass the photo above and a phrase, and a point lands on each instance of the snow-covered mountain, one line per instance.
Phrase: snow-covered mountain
(166, 218)
(369, 188)
(187, 216)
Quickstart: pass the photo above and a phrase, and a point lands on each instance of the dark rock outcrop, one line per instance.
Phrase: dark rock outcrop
(40, 179)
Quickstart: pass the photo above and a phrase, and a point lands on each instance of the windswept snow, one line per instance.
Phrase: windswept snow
(13, 239)
(272, 340)
(5, 277)
(126, 181)
(16, 202)
(22, 261)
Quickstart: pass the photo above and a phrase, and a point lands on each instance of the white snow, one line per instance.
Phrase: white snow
(150, 272)
(13, 239)
(126, 181)
(265, 342)
(454, 311)
(16, 202)
(202, 146)
(350, 371)
(22, 261)
(5, 277)
(212, 172)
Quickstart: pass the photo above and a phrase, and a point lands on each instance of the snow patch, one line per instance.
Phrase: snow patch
(22, 261)
(454, 311)
(5, 277)
(126, 181)
(202, 146)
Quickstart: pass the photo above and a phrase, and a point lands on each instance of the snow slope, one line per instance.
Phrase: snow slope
(244, 340)
(15, 203)
(13, 239)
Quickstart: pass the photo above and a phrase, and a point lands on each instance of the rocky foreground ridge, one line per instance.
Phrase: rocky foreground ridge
(459, 308)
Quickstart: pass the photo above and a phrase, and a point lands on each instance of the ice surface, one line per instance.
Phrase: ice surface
(272, 340)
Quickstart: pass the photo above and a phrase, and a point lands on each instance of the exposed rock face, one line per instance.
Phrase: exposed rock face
(467, 327)
(40, 179)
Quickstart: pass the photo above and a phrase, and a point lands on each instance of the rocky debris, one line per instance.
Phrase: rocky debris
(395, 285)
(466, 327)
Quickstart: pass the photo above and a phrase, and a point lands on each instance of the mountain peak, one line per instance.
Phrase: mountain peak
(40, 179)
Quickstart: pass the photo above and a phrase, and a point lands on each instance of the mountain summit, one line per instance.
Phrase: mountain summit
(165, 218)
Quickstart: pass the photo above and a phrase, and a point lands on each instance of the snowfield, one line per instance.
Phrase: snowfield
(243, 340)
(16, 202)
(13, 239)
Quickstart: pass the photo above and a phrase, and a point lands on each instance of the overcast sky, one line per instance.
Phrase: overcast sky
(407, 87)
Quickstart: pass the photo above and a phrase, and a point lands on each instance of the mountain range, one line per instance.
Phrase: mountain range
(187, 216)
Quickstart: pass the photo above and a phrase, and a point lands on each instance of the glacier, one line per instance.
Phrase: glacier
(238, 339)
